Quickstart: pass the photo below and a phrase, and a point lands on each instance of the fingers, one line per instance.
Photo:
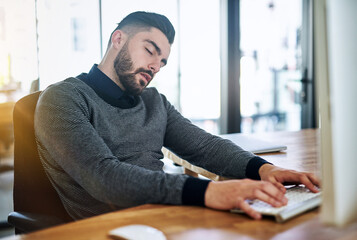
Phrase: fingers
(271, 193)
(314, 179)
(266, 192)
(233, 193)
(310, 181)
(277, 200)
(281, 176)
(277, 184)
(244, 206)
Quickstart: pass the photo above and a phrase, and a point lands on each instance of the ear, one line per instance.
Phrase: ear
(118, 39)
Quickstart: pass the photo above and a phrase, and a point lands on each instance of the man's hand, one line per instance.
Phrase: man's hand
(278, 176)
(231, 194)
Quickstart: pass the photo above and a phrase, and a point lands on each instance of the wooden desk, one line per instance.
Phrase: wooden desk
(182, 222)
(301, 154)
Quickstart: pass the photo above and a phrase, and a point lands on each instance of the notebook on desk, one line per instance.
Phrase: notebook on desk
(253, 144)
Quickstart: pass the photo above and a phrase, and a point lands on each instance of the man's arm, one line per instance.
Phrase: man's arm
(208, 151)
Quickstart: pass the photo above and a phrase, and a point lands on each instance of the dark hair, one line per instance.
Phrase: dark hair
(139, 21)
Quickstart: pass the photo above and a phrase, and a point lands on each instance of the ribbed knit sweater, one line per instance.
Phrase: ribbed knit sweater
(101, 158)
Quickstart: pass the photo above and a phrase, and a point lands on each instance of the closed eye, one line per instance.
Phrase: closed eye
(148, 51)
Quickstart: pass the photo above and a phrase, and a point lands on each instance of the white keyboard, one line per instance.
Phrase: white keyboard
(300, 199)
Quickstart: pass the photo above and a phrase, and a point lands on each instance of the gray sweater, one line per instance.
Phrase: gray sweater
(102, 158)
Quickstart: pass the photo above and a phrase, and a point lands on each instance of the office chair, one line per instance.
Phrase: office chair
(36, 203)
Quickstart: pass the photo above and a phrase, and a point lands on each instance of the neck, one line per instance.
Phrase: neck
(107, 67)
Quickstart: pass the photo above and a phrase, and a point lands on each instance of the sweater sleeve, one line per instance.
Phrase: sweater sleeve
(69, 145)
(208, 151)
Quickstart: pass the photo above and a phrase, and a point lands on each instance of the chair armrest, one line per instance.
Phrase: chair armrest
(189, 168)
(28, 222)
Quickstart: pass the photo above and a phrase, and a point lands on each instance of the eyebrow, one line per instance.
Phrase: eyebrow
(158, 50)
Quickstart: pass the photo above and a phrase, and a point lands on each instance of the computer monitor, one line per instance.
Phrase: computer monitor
(335, 35)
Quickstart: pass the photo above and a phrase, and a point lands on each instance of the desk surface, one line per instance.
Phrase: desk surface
(183, 222)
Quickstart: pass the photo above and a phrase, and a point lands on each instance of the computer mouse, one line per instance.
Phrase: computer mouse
(137, 232)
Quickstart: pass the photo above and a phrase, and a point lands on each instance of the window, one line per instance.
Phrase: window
(69, 38)
(271, 64)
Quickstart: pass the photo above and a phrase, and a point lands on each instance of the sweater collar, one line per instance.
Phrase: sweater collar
(107, 89)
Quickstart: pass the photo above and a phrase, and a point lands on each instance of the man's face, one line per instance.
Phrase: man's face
(140, 59)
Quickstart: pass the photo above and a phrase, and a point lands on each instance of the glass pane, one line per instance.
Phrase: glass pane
(69, 39)
(18, 52)
(270, 64)
(200, 62)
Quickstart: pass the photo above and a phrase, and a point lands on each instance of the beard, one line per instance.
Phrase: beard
(123, 66)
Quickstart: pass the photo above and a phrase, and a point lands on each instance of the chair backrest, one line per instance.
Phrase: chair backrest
(33, 192)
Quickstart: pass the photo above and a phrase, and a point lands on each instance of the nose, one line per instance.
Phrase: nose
(154, 67)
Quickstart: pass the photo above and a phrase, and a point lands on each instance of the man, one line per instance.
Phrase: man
(100, 136)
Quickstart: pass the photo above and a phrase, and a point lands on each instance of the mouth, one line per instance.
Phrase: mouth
(146, 77)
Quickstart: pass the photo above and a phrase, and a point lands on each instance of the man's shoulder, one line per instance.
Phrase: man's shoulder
(68, 88)
(152, 92)
(68, 85)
